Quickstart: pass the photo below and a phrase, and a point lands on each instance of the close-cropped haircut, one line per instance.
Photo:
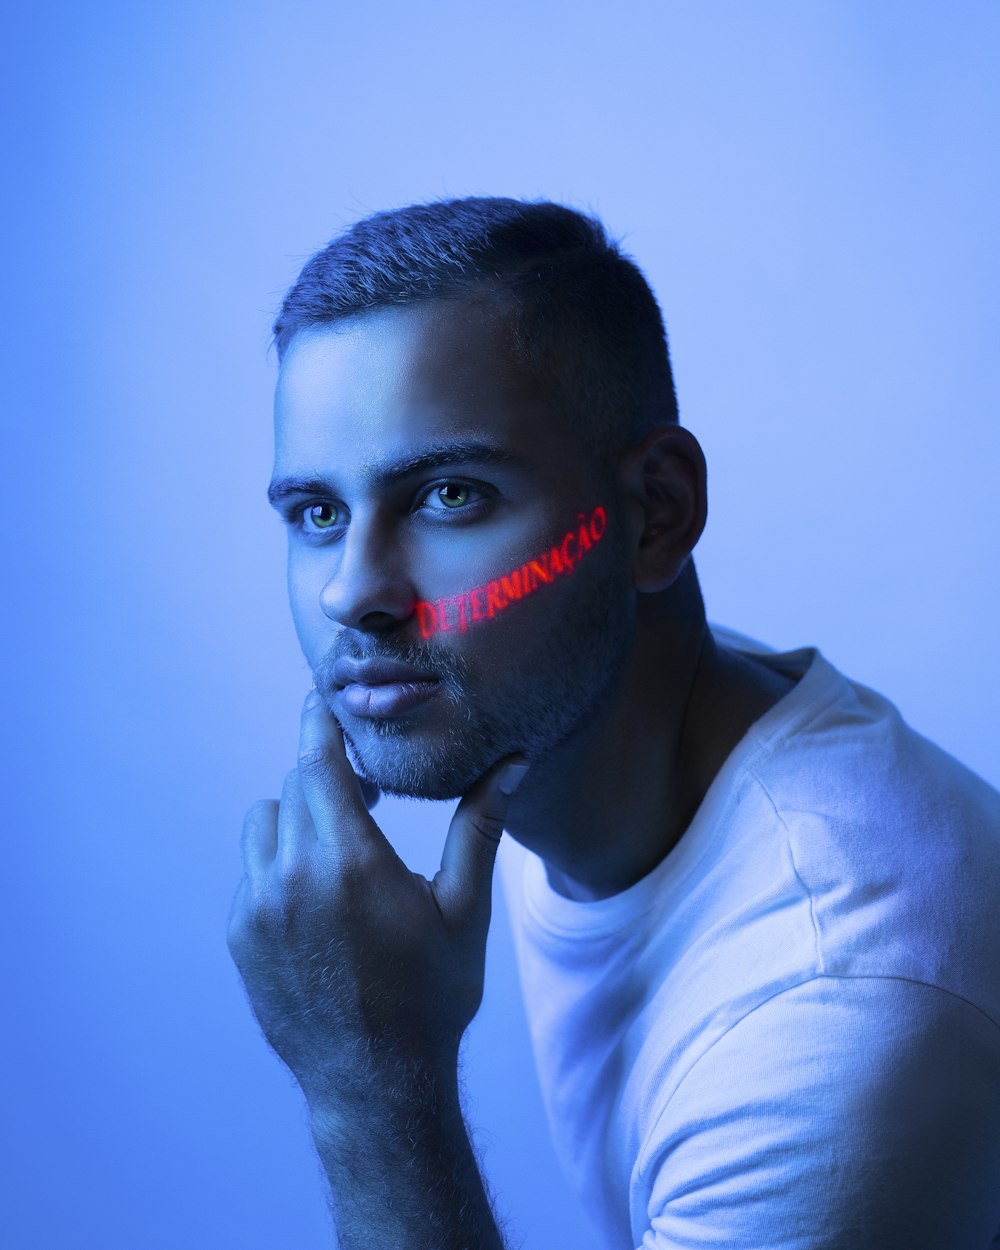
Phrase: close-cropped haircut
(586, 319)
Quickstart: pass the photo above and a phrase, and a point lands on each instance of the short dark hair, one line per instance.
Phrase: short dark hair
(586, 318)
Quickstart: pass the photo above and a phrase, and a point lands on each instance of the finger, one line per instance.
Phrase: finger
(260, 837)
(463, 886)
(330, 785)
(237, 912)
(296, 832)
(370, 792)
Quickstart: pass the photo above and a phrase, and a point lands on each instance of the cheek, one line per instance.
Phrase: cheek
(304, 585)
(511, 613)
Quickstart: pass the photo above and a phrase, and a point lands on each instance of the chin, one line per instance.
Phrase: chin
(425, 793)
(404, 782)
(402, 770)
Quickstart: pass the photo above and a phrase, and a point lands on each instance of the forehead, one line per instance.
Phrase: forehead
(374, 387)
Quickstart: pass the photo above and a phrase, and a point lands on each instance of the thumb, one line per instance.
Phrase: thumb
(462, 886)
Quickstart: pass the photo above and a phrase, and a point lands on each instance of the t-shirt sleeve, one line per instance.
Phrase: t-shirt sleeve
(846, 1113)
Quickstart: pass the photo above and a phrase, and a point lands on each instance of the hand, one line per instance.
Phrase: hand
(349, 958)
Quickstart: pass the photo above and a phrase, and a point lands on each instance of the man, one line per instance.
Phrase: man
(754, 911)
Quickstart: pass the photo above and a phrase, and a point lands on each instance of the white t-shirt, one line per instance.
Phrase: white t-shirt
(788, 1033)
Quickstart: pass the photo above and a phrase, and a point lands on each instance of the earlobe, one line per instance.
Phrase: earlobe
(659, 560)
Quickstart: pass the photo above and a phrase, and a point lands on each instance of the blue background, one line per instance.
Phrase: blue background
(812, 189)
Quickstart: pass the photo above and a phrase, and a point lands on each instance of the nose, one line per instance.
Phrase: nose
(369, 589)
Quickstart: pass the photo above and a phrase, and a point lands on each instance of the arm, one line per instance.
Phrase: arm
(364, 977)
(401, 1168)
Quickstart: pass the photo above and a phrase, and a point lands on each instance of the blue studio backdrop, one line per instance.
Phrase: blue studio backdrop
(811, 189)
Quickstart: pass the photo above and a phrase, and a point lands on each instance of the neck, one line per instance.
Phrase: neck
(611, 801)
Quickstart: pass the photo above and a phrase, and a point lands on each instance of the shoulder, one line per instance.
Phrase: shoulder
(895, 843)
(868, 1108)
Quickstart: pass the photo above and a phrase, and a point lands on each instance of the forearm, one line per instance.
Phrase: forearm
(401, 1168)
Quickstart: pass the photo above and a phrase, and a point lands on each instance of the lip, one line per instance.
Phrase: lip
(377, 672)
(377, 700)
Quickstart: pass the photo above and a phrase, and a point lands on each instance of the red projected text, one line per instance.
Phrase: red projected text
(484, 602)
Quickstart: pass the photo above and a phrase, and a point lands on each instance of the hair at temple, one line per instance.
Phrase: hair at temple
(586, 320)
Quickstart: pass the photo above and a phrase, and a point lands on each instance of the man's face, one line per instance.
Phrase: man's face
(370, 537)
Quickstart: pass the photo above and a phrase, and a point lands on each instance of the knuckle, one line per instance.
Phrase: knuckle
(313, 761)
(251, 818)
(256, 817)
(268, 914)
(236, 939)
(297, 885)
(488, 828)
(346, 872)
(236, 930)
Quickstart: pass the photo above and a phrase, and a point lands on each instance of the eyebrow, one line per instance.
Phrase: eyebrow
(385, 473)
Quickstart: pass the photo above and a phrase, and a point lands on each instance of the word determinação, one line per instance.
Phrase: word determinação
(484, 602)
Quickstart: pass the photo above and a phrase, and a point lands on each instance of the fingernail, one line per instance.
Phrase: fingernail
(512, 776)
(312, 699)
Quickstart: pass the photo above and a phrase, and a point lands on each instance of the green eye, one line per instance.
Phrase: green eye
(454, 488)
(322, 515)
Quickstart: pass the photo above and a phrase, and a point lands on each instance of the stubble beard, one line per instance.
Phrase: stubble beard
(544, 696)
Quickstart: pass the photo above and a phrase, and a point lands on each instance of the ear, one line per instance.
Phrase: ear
(666, 480)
